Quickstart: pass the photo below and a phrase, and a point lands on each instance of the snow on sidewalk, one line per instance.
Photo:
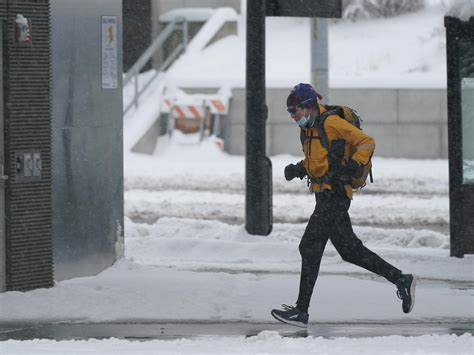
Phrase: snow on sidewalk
(141, 293)
(196, 270)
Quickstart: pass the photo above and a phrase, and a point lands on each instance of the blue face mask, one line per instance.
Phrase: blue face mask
(303, 121)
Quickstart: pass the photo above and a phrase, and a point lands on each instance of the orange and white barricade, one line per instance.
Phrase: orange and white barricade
(191, 113)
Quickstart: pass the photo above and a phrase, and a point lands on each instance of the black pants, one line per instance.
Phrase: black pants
(330, 220)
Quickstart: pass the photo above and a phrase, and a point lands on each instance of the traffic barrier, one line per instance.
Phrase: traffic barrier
(191, 113)
(181, 109)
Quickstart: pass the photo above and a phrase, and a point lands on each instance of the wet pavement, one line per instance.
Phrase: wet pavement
(170, 331)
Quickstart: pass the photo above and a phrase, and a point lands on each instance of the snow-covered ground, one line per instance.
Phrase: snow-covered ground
(189, 258)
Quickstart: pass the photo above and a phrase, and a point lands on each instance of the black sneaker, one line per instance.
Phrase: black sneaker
(291, 315)
(406, 291)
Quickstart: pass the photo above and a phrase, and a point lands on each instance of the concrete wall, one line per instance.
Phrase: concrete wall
(406, 123)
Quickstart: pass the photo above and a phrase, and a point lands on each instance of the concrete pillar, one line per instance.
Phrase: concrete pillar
(319, 56)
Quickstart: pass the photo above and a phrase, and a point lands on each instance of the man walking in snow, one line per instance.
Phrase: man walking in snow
(330, 180)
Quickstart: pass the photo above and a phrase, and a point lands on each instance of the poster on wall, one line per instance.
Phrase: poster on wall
(109, 52)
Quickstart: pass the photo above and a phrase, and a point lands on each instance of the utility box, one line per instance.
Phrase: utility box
(61, 138)
(26, 250)
(460, 55)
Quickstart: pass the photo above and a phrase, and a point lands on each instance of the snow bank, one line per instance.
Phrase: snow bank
(366, 54)
(373, 53)
(267, 342)
(189, 244)
(375, 210)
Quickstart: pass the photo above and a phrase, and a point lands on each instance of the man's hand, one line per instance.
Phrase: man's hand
(353, 169)
(294, 170)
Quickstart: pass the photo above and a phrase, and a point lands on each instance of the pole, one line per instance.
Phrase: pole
(319, 56)
(258, 168)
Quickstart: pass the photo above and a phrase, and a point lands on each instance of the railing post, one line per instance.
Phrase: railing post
(202, 123)
(135, 95)
(171, 121)
(217, 127)
(146, 56)
(133, 73)
(185, 33)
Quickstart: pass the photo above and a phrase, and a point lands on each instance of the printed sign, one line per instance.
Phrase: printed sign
(109, 52)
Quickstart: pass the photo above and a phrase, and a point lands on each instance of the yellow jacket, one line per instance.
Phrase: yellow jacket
(359, 146)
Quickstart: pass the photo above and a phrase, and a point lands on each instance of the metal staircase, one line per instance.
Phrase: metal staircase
(177, 24)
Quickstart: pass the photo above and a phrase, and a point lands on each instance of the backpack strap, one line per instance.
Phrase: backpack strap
(333, 157)
(322, 136)
(320, 127)
(335, 151)
(304, 137)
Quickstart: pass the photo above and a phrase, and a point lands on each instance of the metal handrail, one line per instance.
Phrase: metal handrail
(179, 23)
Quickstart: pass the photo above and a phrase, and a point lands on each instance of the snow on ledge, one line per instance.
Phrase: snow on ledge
(190, 14)
(462, 9)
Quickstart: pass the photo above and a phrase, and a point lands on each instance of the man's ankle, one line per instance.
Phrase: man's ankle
(302, 309)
